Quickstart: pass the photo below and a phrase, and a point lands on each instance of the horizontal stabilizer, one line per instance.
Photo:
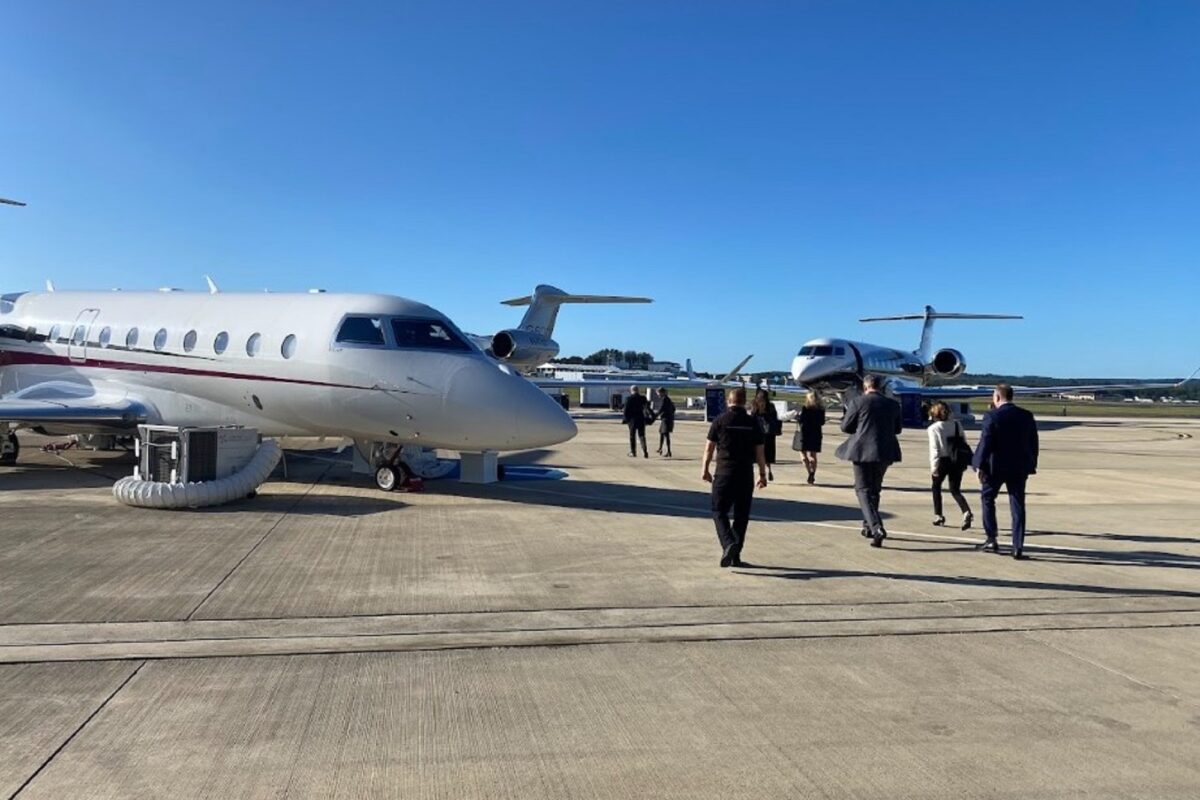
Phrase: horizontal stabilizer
(578, 298)
(939, 315)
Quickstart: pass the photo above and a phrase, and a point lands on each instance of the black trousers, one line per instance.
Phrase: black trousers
(732, 492)
(868, 485)
(946, 471)
(637, 430)
(988, 491)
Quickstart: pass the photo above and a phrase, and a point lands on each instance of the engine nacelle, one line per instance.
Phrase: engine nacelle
(523, 347)
(948, 363)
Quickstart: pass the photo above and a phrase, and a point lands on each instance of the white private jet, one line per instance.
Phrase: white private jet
(837, 366)
(381, 370)
(531, 344)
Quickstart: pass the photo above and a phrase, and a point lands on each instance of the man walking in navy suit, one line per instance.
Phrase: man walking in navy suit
(1006, 456)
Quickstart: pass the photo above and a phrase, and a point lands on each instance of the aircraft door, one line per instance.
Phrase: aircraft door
(81, 332)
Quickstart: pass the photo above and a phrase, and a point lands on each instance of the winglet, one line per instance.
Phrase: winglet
(212, 286)
(1188, 379)
(49, 285)
(733, 372)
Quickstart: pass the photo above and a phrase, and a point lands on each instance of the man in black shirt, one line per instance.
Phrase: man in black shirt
(737, 442)
(637, 413)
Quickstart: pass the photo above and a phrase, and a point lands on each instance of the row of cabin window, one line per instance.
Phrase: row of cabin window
(220, 342)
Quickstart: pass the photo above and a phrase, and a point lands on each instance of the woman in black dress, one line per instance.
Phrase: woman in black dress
(767, 419)
(811, 417)
(666, 422)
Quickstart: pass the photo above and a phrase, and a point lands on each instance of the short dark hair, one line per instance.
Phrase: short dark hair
(872, 382)
(1005, 391)
(737, 396)
(662, 390)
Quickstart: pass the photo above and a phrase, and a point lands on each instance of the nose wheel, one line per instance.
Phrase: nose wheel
(10, 448)
(393, 476)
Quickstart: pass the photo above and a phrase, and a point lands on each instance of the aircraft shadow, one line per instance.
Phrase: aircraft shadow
(802, 574)
(660, 501)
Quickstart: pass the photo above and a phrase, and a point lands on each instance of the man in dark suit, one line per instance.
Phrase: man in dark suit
(873, 422)
(1006, 456)
(636, 414)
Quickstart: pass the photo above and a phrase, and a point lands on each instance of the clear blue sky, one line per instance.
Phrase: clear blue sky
(769, 172)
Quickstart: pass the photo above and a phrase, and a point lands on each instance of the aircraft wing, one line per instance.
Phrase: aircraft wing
(70, 405)
(1026, 391)
(617, 379)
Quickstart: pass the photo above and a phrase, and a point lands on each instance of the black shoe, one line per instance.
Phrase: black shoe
(968, 518)
(1019, 555)
(866, 532)
(877, 539)
(989, 546)
(939, 521)
(727, 560)
(645, 454)
(812, 478)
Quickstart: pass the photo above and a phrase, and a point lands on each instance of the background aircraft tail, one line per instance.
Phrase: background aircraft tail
(546, 300)
(925, 349)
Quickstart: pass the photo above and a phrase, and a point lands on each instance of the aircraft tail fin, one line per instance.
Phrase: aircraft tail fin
(925, 349)
(546, 300)
(691, 373)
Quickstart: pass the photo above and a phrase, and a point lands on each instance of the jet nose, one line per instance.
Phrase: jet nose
(500, 410)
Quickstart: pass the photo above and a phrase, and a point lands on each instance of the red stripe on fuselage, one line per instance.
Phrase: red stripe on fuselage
(17, 357)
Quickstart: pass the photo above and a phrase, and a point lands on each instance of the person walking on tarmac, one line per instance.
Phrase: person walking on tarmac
(666, 421)
(873, 422)
(636, 413)
(737, 442)
(764, 413)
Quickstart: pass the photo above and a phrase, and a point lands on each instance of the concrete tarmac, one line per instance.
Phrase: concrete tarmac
(577, 639)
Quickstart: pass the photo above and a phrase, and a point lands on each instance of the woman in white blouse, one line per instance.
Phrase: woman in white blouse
(943, 439)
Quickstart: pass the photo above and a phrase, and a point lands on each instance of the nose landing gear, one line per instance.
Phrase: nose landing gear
(390, 478)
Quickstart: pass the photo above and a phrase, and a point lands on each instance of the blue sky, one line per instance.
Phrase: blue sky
(769, 172)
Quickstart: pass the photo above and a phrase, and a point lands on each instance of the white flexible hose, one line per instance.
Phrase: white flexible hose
(154, 494)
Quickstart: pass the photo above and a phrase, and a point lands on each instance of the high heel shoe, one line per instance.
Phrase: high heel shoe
(939, 521)
(968, 518)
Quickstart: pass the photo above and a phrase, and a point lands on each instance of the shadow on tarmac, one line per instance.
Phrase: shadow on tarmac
(602, 496)
(801, 574)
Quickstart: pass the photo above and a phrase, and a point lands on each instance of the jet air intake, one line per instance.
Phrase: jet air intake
(515, 345)
(948, 363)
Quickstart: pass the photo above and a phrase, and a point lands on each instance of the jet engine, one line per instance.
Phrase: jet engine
(516, 345)
(948, 363)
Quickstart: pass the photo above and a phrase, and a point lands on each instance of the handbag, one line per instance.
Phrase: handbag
(776, 427)
(960, 452)
(798, 440)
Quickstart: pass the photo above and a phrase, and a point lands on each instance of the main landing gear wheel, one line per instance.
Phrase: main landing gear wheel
(10, 448)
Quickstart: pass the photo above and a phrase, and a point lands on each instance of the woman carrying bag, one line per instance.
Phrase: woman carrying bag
(949, 457)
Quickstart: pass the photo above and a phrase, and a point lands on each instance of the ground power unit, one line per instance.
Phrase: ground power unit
(193, 455)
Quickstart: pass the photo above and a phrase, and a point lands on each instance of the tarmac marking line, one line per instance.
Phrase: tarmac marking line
(608, 640)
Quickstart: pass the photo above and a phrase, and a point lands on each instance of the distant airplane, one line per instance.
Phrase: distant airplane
(837, 366)
(531, 344)
(381, 370)
(8, 202)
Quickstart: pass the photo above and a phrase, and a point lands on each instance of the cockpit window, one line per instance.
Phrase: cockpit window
(361, 330)
(807, 350)
(8, 302)
(818, 350)
(426, 334)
